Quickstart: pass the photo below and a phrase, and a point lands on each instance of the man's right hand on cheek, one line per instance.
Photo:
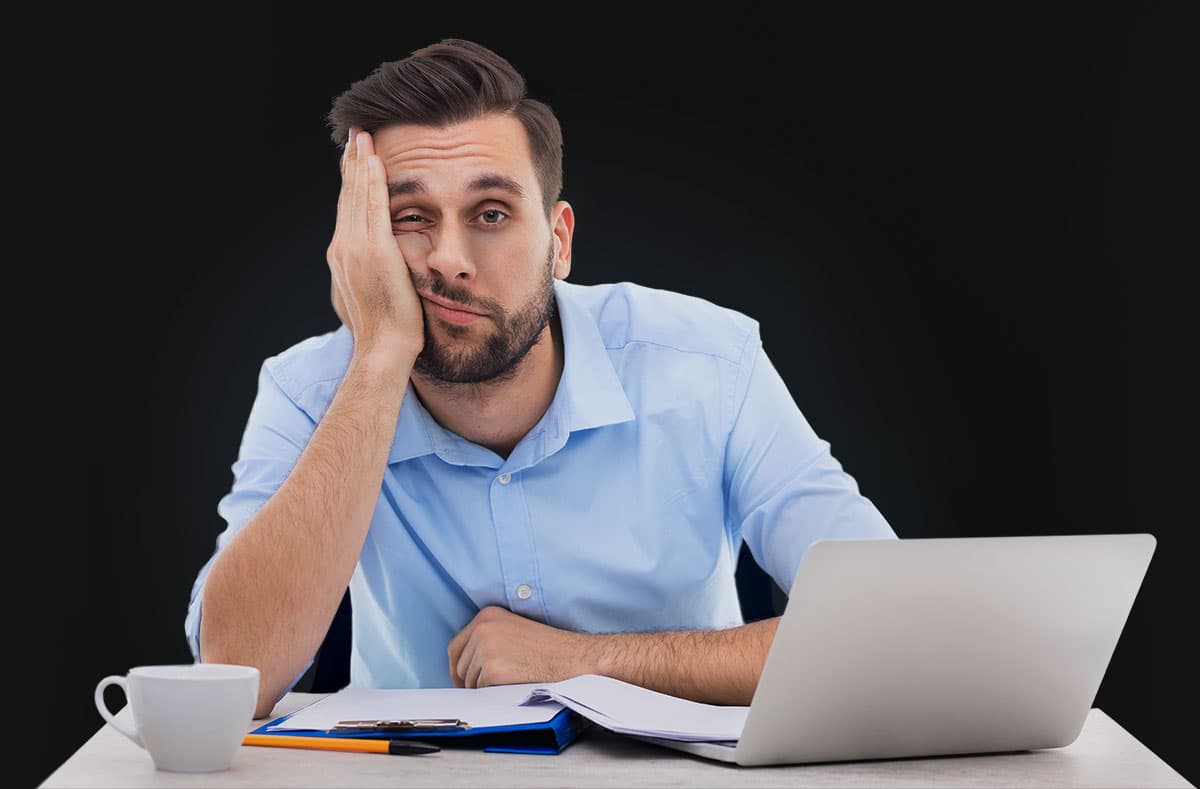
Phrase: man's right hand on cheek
(371, 286)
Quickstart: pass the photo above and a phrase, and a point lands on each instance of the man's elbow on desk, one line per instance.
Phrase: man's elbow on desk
(273, 683)
(274, 677)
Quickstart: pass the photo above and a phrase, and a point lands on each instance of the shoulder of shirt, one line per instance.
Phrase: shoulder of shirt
(627, 313)
(316, 360)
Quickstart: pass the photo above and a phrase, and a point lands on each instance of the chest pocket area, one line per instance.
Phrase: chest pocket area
(676, 458)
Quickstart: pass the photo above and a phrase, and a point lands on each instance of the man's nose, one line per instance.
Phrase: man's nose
(450, 256)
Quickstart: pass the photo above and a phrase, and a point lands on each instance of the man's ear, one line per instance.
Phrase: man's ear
(562, 229)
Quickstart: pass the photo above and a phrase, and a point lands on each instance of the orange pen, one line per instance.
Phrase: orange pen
(392, 746)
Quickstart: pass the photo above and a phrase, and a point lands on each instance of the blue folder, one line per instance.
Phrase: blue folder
(548, 737)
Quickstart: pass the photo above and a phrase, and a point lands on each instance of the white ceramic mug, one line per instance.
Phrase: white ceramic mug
(191, 717)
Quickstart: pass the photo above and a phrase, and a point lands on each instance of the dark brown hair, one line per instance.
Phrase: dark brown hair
(446, 83)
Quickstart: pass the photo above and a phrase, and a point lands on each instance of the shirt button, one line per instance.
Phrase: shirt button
(503, 479)
(524, 592)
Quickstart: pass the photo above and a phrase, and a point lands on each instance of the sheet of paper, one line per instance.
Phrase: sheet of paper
(630, 709)
(499, 705)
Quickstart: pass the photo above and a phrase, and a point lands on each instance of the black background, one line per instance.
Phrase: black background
(961, 230)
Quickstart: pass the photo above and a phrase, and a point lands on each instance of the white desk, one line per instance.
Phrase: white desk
(1105, 755)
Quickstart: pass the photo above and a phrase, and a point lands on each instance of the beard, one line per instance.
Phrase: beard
(498, 356)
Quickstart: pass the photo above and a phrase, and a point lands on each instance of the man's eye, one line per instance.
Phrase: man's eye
(409, 219)
(493, 216)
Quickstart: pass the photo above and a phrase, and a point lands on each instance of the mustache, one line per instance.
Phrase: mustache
(438, 287)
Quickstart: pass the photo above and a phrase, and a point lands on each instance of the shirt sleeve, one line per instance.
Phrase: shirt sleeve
(783, 488)
(276, 433)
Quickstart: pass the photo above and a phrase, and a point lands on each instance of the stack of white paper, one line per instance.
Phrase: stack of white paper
(499, 705)
(631, 709)
(611, 703)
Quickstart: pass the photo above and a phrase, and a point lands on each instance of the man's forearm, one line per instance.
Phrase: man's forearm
(272, 592)
(710, 666)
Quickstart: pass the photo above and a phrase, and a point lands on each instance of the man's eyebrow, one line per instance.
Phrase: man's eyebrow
(482, 183)
(496, 181)
(406, 187)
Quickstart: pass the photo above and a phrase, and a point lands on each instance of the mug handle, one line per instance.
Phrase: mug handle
(105, 713)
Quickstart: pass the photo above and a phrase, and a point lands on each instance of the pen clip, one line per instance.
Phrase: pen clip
(409, 724)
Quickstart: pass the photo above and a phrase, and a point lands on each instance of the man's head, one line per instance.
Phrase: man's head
(447, 83)
(474, 170)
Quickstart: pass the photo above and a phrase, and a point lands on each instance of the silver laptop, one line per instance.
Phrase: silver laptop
(931, 647)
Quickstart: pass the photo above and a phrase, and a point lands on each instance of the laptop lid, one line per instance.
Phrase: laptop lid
(924, 647)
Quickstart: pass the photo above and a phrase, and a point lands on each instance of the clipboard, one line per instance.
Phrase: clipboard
(547, 738)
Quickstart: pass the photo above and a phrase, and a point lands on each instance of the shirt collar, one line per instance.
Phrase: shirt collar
(589, 392)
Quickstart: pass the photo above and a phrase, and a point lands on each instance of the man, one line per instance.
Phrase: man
(518, 478)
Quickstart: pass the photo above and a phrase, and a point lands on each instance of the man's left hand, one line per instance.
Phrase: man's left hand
(499, 647)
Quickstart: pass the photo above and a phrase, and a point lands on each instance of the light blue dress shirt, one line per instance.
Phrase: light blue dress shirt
(670, 440)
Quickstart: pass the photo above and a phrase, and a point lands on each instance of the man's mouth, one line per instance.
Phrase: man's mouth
(451, 311)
